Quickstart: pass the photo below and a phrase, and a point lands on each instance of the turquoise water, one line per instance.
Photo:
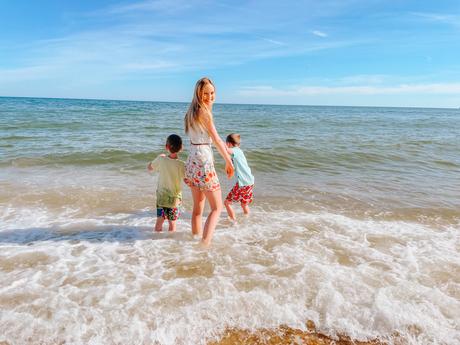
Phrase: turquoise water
(355, 225)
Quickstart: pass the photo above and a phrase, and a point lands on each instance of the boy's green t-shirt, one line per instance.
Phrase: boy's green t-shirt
(171, 174)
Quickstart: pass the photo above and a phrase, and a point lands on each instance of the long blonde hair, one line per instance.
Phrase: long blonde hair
(193, 117)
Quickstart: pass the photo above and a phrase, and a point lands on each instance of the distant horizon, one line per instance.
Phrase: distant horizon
(227, 103)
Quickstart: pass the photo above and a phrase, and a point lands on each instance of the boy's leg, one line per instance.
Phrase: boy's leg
(245, 208)
(172, 214)
(172, 225)
(159, 224)
(228, 206)
(232, 195)
(160, 219)
(246, 199)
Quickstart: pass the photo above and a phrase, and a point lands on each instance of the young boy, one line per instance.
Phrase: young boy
(242, 191)
(169, 190)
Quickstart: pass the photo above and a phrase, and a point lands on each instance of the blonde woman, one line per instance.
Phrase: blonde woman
(200, 174)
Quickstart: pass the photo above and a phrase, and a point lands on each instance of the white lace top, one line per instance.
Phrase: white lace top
(199, 136)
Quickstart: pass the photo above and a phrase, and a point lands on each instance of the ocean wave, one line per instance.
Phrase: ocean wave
(90, 158)
(16, 137)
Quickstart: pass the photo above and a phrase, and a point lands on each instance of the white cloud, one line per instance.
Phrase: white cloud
(144, 40)
(151, 6)
(364, 79)
(435, 88)
(25, 73)
(438, 17)
(157, 44)
(273, 41)
(160, 65)
(319, 33)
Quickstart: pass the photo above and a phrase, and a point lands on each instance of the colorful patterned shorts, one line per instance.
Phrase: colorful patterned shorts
(242, 194)
(168, 213)
(199, 169)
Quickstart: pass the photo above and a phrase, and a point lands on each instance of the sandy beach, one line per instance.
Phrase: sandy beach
(288, 336)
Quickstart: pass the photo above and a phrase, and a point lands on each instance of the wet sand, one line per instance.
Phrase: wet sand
(287, 336)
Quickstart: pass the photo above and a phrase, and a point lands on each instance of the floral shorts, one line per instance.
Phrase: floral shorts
(199, 169)
(242, 194)
(168, 213)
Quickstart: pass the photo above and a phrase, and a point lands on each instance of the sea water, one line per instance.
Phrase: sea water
(355, 225)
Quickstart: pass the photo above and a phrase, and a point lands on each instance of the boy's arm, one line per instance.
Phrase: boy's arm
(153, 165)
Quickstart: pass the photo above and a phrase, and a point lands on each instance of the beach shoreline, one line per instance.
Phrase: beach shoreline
(284, 335)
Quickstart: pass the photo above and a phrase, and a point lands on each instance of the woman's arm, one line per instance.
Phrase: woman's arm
(219, 143)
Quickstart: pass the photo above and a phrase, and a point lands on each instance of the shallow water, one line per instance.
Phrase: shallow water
(355, 225)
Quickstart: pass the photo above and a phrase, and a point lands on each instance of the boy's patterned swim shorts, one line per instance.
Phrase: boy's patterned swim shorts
(168, 213)
(242, 194)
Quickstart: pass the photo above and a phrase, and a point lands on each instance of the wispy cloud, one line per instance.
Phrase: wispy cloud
(319, 33)
(160, 65)
(449, 19)
(156, 43)
(8, 75)
(139, 40)
(364, 79)
(269, 91)
(273, 41)
(150, 6)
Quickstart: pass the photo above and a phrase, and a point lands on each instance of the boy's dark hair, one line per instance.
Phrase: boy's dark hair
(174, 142)
(234, 139)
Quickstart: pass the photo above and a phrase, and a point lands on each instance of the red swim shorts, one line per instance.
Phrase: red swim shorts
(242, 194)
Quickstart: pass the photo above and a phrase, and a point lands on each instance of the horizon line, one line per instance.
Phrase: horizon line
(271, 104)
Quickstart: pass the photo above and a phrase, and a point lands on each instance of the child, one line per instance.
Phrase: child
(200, 174)
(242, 191)
(169, 190)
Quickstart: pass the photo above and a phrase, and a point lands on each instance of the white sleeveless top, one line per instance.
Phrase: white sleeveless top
(199, 136)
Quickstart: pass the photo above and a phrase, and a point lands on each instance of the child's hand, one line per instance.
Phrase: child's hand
(162, 155)
(149, 167)
(230, 170)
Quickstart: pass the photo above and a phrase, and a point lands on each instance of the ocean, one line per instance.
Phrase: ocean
(355, 225)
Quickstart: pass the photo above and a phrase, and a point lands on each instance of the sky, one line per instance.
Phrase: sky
(328, 52)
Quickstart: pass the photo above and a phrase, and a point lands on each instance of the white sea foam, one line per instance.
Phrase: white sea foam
(111, 280)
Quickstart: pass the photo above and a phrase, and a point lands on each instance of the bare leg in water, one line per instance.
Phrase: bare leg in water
(199, 199)
(215, 203)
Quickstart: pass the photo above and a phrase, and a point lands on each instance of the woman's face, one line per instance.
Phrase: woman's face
(208, 95)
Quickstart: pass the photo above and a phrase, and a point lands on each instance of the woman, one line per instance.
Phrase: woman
(200, 174)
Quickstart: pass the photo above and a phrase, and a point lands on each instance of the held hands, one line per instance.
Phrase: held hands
(229, 169)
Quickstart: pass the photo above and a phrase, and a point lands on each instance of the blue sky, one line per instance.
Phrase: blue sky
(340, 52)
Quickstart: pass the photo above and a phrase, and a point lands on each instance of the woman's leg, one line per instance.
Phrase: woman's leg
(198, 207)
(215, 203)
